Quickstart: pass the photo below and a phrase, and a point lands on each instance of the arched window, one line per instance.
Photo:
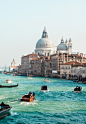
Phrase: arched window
(45, 54)
(48, 54)
(38, 53)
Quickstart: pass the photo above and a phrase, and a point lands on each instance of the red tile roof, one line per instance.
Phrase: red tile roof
(72, 63)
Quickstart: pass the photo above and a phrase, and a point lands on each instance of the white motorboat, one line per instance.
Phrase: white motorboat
(29, 77)
(8, 81)
(46, 80)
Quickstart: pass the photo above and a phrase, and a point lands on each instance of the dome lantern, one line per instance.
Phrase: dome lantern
(44, 35)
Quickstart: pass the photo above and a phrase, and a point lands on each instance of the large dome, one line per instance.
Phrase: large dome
(44, 43)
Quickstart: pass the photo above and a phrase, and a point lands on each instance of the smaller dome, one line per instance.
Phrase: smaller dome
(62, 47)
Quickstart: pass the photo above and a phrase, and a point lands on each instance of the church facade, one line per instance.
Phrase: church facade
(45, 46)
(13, 66)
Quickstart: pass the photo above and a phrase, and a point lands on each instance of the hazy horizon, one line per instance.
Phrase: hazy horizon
(22, 23)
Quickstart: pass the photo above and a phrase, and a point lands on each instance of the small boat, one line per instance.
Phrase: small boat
(77, 89)
(8, 81)
(46, 80)
(79, 82)
(75, 80)
(3, 86)
(44, 88)
(4, 110)
(14, 74)
(28, 97)
(29, 77)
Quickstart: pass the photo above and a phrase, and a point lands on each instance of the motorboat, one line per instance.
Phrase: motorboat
(29, 77)
(75, 80)
(44, 88)
(14, 74)
(77, 89)
(28, 97)
(4, 110)
(79, 82)
(8, 81)
(4, 86)
(46, 80)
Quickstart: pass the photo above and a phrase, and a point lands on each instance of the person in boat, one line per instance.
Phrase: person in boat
(78, 88)
(33, 94)
(30, 93)
(4, 105)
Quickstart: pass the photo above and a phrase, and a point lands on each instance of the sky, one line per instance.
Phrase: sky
(22, 23)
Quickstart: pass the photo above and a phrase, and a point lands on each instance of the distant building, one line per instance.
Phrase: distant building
(13, 67)
(26, 64)
(65, 69)
(62, 59)
(47, 62)
(65, 47)
(44, 45)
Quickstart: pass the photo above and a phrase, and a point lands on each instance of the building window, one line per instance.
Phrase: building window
(38, 53)
(48, 54)
(45, 54)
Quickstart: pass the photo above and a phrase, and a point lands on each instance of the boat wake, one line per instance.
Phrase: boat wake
(29, 103)
(3, 97)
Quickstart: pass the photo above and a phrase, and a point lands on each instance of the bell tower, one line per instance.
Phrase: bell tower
(70, 46)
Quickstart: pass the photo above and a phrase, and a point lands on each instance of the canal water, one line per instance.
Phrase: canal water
(57, 106)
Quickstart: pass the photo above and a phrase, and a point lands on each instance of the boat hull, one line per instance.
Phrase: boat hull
(44, 90)
(8, 81)
(4, 112)
(46, 80)
(27, 99)
(77, 91)
(1, 86)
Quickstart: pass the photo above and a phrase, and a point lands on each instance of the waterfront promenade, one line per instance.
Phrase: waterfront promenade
(59, 105)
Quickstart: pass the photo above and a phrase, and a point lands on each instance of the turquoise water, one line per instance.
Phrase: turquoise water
(57, 106)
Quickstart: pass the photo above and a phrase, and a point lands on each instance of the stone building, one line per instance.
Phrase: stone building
(63, 58)
(26, 63)
(13, 67)
(65, 69)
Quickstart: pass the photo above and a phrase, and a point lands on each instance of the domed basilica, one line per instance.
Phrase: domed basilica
(44, 45)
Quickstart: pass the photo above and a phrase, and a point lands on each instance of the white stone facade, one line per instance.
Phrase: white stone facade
(79, 71)
(65, 70)
(13, 66)
(65, 47)
(44, 45)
